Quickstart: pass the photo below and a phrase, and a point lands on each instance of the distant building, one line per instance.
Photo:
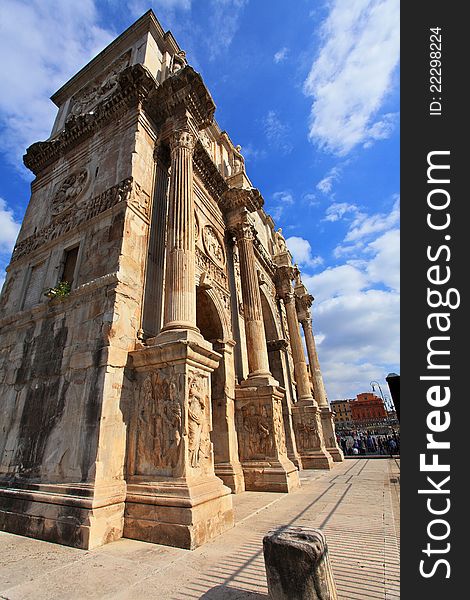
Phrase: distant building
(367, 407)
(342, 411)
(366, 411)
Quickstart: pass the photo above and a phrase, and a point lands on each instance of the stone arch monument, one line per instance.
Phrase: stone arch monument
(169, 372)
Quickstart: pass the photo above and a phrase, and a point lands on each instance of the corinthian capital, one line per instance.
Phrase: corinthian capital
(243, 230)
(182, 138)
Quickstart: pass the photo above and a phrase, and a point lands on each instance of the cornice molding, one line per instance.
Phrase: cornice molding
(134, 84)
(208, 173)
(182, 93)
(71, 219)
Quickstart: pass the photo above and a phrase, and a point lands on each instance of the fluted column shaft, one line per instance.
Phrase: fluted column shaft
(258, 363)
(300, 366)
(318, 386)
(180, 286)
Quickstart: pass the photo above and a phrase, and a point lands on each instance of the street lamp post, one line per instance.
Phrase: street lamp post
(388, 408)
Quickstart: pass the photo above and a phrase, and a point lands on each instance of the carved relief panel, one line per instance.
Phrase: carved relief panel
(278, 423)
(307, 427)
(199, 419)
(88, 97)
(172, 424)
(159, 427)
(255, 431)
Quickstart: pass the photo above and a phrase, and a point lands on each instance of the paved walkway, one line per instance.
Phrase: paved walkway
(356, 505)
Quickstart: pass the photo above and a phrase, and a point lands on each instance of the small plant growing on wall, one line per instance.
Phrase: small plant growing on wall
(61, 290)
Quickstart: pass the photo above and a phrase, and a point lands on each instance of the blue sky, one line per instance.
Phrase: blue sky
(309, 89)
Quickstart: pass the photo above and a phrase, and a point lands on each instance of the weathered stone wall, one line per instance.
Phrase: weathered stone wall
(63, 372)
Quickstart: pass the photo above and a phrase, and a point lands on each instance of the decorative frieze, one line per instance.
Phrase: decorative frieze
(208, 173)
(183, 92)
(68, 221)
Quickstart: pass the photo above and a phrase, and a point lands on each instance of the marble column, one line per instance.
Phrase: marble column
(329, 435)
(173, 494)
(305, 412)
(258, 363)
(180, 286)
(304, 393)
(155, 276)
(258, 399)
(318, 386)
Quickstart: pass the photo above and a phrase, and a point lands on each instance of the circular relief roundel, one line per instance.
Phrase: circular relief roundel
(69, 190)
(213, 245)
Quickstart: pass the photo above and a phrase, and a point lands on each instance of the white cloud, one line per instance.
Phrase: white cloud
(281, 200)
(336, 281)
(250, 152)
(223, 25)
(302, 252)
(281, 55)
(337, 210)
(326, 184)
(356, 308)
(46, 43)
(277, 132)
(9, 228)
(311, 199)
(361, 339)
(364, 225)
(385, 266)
(352, 74)
(285, 197)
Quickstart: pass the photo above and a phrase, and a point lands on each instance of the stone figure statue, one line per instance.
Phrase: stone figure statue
(280, 241)
(179, 61)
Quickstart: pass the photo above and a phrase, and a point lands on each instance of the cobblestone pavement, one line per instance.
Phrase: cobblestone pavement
(356, 504)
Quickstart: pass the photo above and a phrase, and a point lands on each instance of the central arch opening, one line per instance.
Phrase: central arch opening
(270, 330)
(210, 325)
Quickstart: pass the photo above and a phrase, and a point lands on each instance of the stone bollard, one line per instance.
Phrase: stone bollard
(297, 564)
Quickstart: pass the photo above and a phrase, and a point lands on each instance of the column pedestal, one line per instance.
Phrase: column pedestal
(329, 434)
(173, 494)
(232, 476)
(261, 440)
(308, 435)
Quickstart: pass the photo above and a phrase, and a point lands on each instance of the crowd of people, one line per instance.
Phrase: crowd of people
(354, 443)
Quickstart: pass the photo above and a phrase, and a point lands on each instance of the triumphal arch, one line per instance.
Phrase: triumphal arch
(151, 354)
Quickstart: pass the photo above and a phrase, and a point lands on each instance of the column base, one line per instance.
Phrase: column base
(295, 460)
(318, 459)
(336, 454)
(231, 475)
(329, 434)
(72, 514)
(264, 476)
(309, 436)
(178, 513)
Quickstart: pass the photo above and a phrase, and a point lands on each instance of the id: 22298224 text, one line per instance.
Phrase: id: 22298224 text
(435, 71)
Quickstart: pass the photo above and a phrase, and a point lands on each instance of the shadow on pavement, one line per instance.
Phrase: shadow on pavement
(225, 592)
